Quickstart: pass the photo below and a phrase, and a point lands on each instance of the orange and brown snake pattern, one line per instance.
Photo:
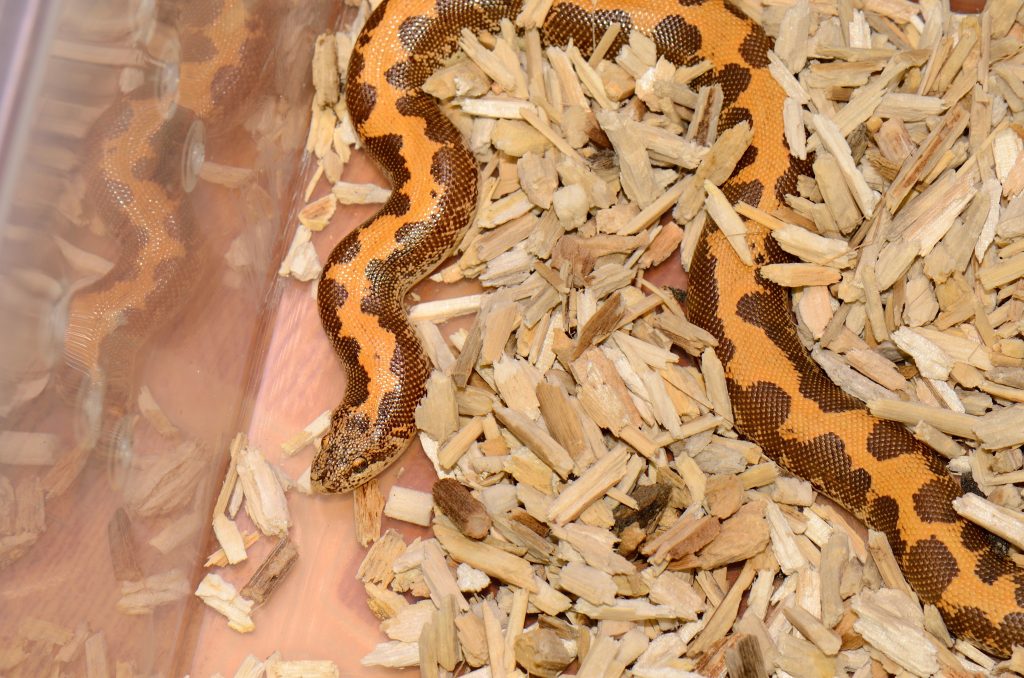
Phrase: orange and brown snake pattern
(781, 399)
(134, 168)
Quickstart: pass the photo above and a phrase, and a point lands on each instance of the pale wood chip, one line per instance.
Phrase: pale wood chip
(901, 640)
(594, 483)
(728, 221)
(409, 505)
(495, 562)
(833, 140)
(225, 599)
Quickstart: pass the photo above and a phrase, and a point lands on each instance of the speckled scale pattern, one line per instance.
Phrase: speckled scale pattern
(781, 399)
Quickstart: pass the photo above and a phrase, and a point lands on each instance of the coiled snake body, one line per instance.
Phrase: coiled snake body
(781, 399)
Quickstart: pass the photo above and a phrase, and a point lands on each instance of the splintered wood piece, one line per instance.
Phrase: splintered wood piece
(937, 440)
(744, 659)
(600, 325)
(460, 443)
(588, 583)
(230, 539)
(438, 576)
(325, 70)
(271, 572)
(225, 599)
(563, 421)
(800, 275)
(635, 171)
(438, 412)
(725, 614)
(1004, 522)
(441, 310)
(220, 559)
(899, 639)
(542, 652)
(808, 246)
(954, 423)
(687, 536)
(393, 654)
(593, 484)
(997, 275)
(1000, 428)
(534, 437)
(833, 140)
(265, 501)
(495, 639)
(941, 138)
(454, 500)
(492, 560)
(834, 556)
(825, 639)
(725, 217)
(368, 505)
(377, 565)
(886, 563)
(784, 544)
(714, 378)
(468, 354)
(445, 635)
(472, 638)
(314, 431)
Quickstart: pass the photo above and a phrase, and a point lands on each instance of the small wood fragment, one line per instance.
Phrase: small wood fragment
(467, 513)
(368, 505)
(224, 598)
(592, 484)
(409, 505)
(495, 562)
(825, 639)
(998, 520)
(744, 659)
(271, 572)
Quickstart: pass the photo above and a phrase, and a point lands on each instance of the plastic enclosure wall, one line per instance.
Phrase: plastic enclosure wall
(104, 512)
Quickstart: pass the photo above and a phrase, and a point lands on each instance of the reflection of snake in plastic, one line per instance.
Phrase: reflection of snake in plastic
(137, 163)
(781, 398)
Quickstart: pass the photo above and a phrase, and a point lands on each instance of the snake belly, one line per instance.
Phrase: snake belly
(133, 167)
(781, 399)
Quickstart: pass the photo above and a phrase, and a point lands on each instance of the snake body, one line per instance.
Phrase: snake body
(781, 399)
(134, 167)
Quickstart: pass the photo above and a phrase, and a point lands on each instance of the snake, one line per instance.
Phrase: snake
(781, 399)
(139, 161)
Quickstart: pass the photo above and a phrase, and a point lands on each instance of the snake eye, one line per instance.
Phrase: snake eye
(359, 464)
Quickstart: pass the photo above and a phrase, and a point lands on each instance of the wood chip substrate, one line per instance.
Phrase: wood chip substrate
(596, 513)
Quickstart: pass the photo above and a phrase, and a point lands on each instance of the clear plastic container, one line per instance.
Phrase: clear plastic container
(96, 491)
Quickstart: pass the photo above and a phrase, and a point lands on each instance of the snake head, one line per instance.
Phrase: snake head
(349, 455)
